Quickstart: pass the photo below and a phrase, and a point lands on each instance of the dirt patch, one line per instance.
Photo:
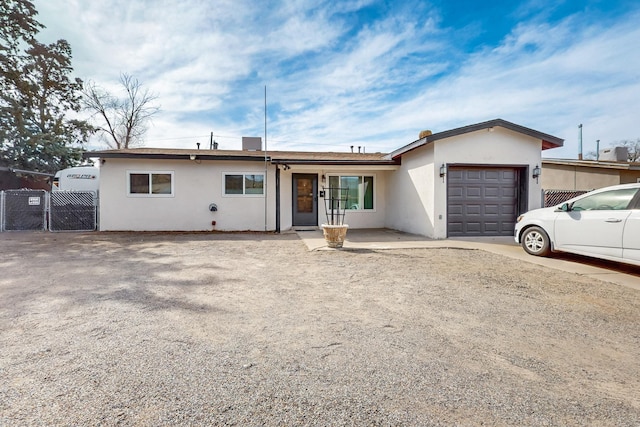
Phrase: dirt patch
(253, 329)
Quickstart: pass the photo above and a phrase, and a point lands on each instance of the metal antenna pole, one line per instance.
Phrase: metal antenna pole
(266, 171)
(580, 141)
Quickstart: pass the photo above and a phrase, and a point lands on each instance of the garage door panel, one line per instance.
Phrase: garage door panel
(507, 227)
(508, 192)
(456, 210)
(481, 201)
(490, 175)
(455, 175)
(473, 227)
(508, 175)
(457, 192)
(473, 175)
(456, 228)
(507, 210)
(473, 192)
(491, 227)
(473, 210)
(492, 209)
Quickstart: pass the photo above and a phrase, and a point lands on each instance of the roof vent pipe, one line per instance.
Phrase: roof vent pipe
(358, 149)
(352, 148)
(198, 144)
(424, 134)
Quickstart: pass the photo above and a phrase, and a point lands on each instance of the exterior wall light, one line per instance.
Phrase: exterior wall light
(443, 170)
(536, 173)
(192, 156)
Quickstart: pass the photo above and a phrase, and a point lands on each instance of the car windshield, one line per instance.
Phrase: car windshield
(607, 200)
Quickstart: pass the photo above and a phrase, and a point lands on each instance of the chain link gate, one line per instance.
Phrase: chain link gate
(73, 211)
(25, 210)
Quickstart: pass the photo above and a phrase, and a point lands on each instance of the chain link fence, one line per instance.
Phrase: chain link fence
(72, 211)
(38, 210)
(24, 210)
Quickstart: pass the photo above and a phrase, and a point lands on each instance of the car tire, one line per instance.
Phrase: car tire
(535, 241)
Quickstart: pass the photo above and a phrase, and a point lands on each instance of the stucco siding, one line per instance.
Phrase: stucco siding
(417, 196)
(492, 148)
(196, 185)
(567, 177)
(410, 195)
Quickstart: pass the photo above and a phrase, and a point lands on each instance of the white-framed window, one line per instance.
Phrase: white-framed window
(360, 193)
(243, 184)
(150, 183)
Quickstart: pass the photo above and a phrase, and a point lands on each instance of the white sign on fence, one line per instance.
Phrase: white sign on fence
(34, 201)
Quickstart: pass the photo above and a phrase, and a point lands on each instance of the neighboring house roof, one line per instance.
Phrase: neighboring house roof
(593, 164)
(275, 157)
(548, 141)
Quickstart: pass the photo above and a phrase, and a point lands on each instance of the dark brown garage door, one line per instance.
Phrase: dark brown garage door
(481, 201)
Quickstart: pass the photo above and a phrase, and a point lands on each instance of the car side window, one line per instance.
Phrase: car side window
(607, 200)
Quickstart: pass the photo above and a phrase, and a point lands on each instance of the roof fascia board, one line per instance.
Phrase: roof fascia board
(594, 164)
(106, 155)
(383, 162)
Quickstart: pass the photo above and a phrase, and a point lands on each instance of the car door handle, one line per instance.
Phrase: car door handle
(613, 220)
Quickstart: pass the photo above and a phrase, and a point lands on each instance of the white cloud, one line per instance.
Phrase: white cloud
(332, 83)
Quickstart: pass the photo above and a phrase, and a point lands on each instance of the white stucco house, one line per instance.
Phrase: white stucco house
(472, 181)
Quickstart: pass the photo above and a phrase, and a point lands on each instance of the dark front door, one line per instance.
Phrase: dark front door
(305, 199)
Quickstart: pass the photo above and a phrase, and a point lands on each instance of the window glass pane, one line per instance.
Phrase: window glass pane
(161, 183)
(233, 184)
(351, 184)
(139, 183)
(254, 184)
(609, 200)
(368, 192)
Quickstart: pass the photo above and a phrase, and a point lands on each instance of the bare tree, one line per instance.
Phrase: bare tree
(122, 121)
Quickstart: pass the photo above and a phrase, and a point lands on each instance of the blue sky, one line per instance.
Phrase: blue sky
(362, 72)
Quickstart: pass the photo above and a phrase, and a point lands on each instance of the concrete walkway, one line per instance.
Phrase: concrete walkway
(381, 239)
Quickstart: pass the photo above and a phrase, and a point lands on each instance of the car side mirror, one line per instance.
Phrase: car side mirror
(565, 207)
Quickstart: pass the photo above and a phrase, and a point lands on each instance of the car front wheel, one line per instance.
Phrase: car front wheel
(535, 241)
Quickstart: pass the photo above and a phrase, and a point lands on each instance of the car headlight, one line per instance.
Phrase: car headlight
(520, 218)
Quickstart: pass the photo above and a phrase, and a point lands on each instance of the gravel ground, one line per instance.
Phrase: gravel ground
(252, 329)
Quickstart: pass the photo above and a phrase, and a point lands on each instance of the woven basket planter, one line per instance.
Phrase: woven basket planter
(334, 234)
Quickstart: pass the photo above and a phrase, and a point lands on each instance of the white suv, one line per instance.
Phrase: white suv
(604, 223)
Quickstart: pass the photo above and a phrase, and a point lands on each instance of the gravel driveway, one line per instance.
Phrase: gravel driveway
(253, 329)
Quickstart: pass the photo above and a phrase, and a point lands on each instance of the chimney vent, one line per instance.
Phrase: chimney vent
(251, 143)
(425, 133)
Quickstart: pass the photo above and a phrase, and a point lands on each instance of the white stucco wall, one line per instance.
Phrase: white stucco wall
(196, 185)
(417, 199)
(410, 193)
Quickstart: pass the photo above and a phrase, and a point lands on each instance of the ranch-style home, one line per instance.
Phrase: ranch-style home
(470, 181)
